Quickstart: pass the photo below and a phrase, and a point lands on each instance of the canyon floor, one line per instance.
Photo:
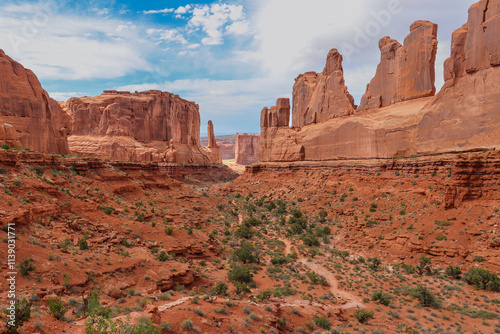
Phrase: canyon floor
(335, 247)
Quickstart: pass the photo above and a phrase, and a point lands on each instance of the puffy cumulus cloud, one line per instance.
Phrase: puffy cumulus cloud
(215, 18)
(167, 35)
(182, 9)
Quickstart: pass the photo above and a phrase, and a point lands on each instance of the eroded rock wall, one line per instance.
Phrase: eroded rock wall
(26, 111)
(145, 126)
(399, 117)
(319, 97)
(406, 71)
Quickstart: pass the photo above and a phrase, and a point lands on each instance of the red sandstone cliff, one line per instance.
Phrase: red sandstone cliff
(26, 111)
(145, 126)
(319, 97)
(247, 148)
(464, 115)
(405, 72)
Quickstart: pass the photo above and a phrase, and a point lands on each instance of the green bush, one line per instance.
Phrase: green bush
(245, 232)
(363, 315)
(382, 297)
(5, 146)
(57, 308)
(483, 279)
(220, 289)
(25, 266)
(163, 256)
(240, 274)
(3, 170)
(322, 322)
(424, 266)
(188, 325)
(425, 297)
(454, 272)
(22, 313)
(245, 253)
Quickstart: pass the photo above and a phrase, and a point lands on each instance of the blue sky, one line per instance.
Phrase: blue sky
(231, 57)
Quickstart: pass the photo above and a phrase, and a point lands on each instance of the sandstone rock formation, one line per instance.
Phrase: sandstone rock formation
(276, 144)
(319, 97)
(226, 144)
(405, 72)
(145, 126)
(466, 113)
(463, 116)
(213, 149)
(247, 148)
(26, 111)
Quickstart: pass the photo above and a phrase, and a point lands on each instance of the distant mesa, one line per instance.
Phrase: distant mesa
(399, 115)
(247, 148)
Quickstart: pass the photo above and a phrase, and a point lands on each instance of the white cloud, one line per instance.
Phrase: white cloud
(67, 47)
(160, 11)
(183, 9)
(167, 35)
(212, 20)
(238, 28)
(103, 11)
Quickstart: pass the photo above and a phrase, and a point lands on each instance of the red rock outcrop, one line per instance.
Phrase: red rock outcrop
(466, 113)
(213, 149)
(26, 111)
(145, 126)
(405, 72)
(319, 97)
(277, 142)
(463, 116)
(247, 148)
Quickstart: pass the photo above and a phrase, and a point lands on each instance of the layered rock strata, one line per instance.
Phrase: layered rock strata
(145, 126)
(463, 116)
(26, 111)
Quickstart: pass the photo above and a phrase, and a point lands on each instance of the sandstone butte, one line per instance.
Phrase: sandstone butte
(150, 126)
(27, 111)
(247, 148)
(399, 116)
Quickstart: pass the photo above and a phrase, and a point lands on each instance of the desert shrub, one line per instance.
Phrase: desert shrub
(102, 325)
(240, 274)
(3, 170)
(453, 271)
(188, 325)
(25, 266)
(220, 289)
(245, 253)
(5, 146)
(163, 256)
(382, 297)
(425, 297)
(245, 231)
(483, 279)
(57, 308)
(424, 266)
(322, 322)
(363, 315)
(21, 312)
